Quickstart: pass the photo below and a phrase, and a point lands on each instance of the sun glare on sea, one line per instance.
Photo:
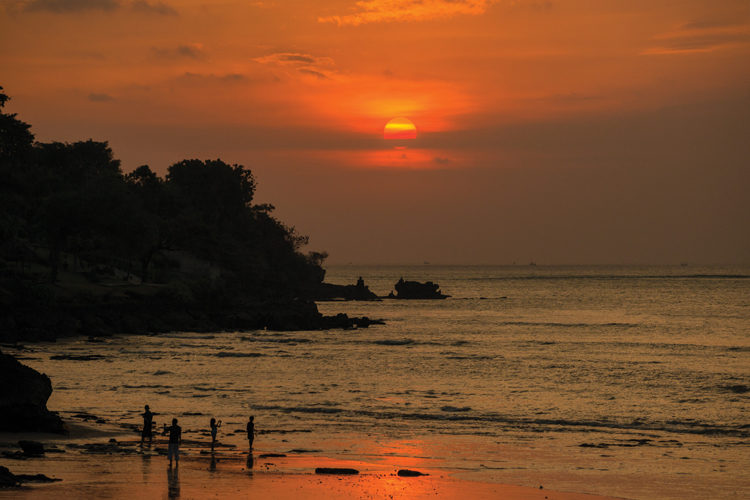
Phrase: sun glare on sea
(400, 128)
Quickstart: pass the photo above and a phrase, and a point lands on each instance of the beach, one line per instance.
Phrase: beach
(614, 381)
(128, 470)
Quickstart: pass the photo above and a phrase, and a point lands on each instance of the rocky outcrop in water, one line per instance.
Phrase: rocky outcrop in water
(23, 399)
(417, 290)
(330, 291)
(94, 316)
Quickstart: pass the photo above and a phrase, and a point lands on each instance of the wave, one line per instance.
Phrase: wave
(226, 354)
(555, 277)
(394, 342)
(568, 325)
(145, 386)
(277, 340)
(465, 414)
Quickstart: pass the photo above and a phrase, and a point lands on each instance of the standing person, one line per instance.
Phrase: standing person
(214, 431)
(175, 436)
(148, 424)
(251, 431)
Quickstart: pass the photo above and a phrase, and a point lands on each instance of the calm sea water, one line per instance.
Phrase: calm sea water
(632, 381)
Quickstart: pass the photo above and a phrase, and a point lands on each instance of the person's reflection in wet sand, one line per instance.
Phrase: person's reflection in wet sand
(173, 482)
(212, 465)
(250, 464)
(146, 466)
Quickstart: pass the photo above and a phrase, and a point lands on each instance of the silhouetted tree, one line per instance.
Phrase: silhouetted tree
(73, 200)
(16, 142)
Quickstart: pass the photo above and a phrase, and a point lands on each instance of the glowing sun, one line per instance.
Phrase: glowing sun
(400, 128)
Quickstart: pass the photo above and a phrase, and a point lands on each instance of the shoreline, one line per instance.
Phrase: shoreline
(227, 473)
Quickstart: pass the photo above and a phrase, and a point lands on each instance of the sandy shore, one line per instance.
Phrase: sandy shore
(127, 471)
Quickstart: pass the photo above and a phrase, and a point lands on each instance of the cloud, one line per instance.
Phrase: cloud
(202, 78)
(191, 51)
(94, 97)
(73, 6)
(312, 72)
(306, 64)
(160, 8)
(701, 36)
(66, 6)
(376, 11)
(296, 58)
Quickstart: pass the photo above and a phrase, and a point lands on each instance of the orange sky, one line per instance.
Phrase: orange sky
(564, 131)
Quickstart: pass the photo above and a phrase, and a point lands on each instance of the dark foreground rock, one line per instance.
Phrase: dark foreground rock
(31, 448)
(36, 478)
(336, 470)
(23, 399)
(410, 473)
(10, 480)
(417, 290)
(7, 478)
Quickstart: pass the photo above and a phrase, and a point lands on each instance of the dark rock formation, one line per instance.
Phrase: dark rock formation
(23, 399)
(36, 478)
(336, 470)
(417, 290)
(410, 473)
(99, 318)
(10, 480)
(7, 478)
(31, 448)
(329, 291)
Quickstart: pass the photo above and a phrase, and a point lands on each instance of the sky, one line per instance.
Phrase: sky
(559, 132)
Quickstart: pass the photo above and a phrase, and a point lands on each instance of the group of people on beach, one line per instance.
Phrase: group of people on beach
(175, 433)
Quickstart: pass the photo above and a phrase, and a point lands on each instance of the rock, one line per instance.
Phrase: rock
(737, 389)
(109, 448)
(7, 479)
(23, 399)
(77, 357)
(417, 290)
(271, 455)
(336, 470)
(10, 480)
(31, 448)
(410, 473)
(330, 291)
(35, 478)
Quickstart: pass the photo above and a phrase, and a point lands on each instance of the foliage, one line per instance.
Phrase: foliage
(196, 226)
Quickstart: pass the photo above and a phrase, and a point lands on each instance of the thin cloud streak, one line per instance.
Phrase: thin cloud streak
(68, 6)
(378, 11)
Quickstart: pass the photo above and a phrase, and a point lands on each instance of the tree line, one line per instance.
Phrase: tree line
(65, 204)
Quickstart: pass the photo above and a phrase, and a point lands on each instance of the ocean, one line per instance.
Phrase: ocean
(618, 380)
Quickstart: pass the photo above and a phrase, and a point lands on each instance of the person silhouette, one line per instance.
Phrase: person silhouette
(148, 424)
(251, 432)
(175, 437)
(214, 430)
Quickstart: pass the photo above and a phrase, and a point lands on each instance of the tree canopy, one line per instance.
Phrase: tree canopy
(198, 224)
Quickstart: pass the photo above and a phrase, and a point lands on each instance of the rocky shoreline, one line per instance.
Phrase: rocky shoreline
(129, 311)
(23, 399)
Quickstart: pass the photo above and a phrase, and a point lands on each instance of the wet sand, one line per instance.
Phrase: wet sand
(129, 471)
